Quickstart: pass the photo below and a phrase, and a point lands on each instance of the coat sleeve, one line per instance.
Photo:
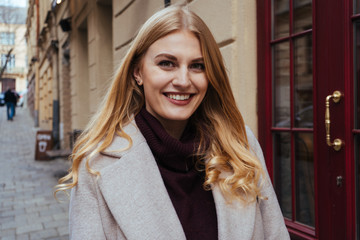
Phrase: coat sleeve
(85, 219)
(273, 220)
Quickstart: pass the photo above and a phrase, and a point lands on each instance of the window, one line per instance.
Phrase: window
(7, 38)
(292, 109)
(10, 63)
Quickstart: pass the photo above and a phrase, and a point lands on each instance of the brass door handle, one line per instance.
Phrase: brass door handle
(337, 144)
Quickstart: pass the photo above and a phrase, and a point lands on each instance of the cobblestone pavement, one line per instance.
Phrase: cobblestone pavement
(28, 209)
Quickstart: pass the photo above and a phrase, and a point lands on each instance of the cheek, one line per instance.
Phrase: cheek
(149, 91)
(153, 87)
(203, 85)
(156, 79)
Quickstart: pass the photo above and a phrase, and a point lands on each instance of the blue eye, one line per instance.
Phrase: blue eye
(166, 63)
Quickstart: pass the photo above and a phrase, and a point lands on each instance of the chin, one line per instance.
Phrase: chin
(178, 116)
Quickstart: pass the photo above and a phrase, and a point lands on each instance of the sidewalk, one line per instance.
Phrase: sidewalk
(28, 209)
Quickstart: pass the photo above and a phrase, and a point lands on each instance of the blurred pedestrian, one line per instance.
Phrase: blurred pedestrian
(17, 99)
(168, 155)
(10, 101)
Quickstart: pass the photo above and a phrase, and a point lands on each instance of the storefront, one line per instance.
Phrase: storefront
(309, 64)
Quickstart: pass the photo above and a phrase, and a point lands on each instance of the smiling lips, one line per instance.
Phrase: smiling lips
(179, 98)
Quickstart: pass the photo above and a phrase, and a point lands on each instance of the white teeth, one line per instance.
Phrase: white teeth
(179, 97)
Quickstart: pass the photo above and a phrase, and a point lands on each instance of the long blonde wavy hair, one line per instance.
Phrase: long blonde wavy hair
(223, 143)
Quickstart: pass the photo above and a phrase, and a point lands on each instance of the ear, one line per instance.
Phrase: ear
(137, 75)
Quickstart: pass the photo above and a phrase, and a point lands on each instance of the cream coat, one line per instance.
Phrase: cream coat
(129, 200)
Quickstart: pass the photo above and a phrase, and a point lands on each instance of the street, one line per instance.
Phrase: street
(28, 209)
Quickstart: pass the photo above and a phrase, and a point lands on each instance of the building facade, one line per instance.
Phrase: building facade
(98, 39)
(49, 69)
(108, 27)
(32, 35)
(12, 48)
(285, 59)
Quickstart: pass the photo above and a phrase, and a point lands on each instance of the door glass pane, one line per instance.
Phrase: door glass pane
(282, 171)
(357, 74)
(303, 82)
(302, 15)
(304, 178)
(281, 84)
(280, 14)
(357, 6)
(357, 120)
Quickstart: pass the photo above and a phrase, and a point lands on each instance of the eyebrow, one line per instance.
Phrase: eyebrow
(166, 55)
(200, 59)
(171, 57)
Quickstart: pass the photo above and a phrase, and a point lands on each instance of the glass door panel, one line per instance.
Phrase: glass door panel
(356, 131)
(303, 82)
(282, 172)
(357, 6)
(292, 110)
(302, 15)
(357, 74)
(304, 180)
(281, 72)
(280, 18)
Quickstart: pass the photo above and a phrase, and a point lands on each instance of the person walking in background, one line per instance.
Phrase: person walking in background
(16, 101)
(10, 101)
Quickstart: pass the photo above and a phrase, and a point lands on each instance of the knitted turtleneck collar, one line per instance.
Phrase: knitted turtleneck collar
(171, 153)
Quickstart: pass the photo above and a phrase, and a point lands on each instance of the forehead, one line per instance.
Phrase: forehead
(182, 41)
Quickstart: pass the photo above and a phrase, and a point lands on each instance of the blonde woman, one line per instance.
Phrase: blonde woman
(168, 156)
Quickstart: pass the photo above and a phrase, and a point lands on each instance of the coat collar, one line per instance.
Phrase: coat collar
(137, 197)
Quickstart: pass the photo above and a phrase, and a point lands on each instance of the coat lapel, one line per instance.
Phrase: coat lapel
(235, 220)
(136, 195)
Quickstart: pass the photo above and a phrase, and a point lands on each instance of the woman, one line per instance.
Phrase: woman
(168, 156)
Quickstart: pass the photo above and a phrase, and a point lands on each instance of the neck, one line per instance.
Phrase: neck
(174, 128)
(171, 152)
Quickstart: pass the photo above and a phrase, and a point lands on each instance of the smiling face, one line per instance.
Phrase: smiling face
(172, 73)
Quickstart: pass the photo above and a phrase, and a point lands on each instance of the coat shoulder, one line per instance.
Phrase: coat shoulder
(118, 148)
(255, 146)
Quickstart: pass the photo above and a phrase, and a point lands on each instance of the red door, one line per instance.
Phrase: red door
(307, 50)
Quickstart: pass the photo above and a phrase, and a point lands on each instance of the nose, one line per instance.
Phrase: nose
(182, 78)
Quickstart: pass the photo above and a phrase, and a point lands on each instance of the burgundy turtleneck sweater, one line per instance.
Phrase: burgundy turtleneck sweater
(194, 206)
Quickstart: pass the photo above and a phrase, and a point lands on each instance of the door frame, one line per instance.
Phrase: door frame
(324, 11)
